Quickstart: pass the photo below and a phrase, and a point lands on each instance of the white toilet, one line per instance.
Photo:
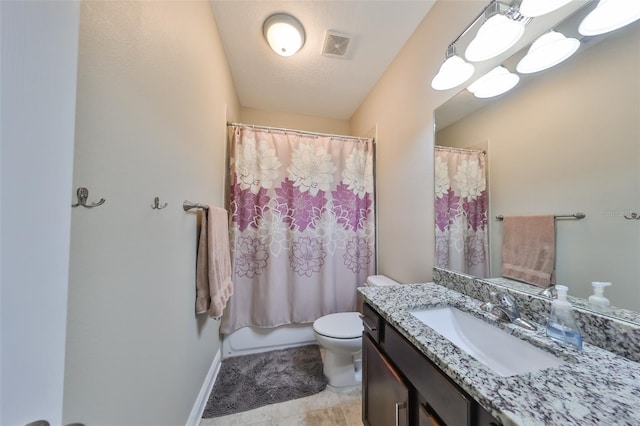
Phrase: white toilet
(341, 336)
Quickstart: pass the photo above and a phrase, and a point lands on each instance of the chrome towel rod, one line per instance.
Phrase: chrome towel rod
(188, 205)
(559, 216)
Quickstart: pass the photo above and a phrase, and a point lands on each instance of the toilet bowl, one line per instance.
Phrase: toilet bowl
(340, 334)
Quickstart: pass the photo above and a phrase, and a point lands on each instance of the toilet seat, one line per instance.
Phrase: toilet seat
(343, 325)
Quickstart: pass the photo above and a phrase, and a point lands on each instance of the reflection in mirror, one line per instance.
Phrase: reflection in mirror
(566, 141)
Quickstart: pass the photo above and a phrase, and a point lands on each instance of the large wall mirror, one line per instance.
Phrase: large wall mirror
(566, 140)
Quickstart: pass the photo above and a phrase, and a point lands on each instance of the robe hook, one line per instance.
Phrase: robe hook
(83, 194)
(156, 204)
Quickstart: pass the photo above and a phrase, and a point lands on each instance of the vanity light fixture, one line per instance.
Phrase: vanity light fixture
(453, 72)
(533, 8)
(284, 33)
(548, 50)
(610, 15)
(500, 31)
(496, 82)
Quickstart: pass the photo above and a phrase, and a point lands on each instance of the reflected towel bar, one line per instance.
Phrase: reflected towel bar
(559, 216)
(188, 205)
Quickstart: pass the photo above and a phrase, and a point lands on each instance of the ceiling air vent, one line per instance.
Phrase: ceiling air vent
(336, 45)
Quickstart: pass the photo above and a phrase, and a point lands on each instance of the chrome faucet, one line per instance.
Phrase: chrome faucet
(506, 309)
(549, 292)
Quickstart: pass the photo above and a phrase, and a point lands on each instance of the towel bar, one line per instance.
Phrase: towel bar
(188, 205)
(558, 216)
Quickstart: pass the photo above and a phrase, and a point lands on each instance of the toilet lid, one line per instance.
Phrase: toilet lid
(343, 325)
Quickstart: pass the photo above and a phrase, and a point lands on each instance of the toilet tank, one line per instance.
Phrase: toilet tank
(374, 281)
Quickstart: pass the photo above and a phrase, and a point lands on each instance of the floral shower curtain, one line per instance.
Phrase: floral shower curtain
(461, 211)
(302, 225)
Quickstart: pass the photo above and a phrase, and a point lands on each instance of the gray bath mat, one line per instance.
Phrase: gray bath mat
(251, 381)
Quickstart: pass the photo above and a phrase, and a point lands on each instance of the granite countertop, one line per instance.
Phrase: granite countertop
(592, 387)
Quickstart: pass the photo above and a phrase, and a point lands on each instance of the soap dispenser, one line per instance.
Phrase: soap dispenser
(597, 301)
(561, 325)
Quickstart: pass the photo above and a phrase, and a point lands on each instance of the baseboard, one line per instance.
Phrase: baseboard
(201, 402)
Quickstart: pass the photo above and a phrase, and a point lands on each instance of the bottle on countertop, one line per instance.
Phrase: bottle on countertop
(597, 301)
(561, 325)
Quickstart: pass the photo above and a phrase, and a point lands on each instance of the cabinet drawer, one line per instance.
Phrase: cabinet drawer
(444, 397)
(372, 323)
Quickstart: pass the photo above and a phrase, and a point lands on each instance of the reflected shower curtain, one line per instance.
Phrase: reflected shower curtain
(461, 211)
(302, 225)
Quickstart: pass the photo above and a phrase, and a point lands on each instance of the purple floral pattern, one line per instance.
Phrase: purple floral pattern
(251, 257)
(302, 227)
(297, 207)
(245, 205)
(461, 211)
(358, 254)
(307, 256)
(349, 208)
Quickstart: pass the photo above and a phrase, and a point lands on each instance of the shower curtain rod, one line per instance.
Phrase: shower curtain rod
(449, 148)
(301, 132)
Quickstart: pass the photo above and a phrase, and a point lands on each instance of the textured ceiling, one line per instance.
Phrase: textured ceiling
(308, 82)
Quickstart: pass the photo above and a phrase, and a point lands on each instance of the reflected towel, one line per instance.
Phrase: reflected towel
(213, 266)
(528, 249)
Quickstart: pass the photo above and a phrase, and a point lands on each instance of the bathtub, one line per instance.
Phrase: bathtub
(251, 340)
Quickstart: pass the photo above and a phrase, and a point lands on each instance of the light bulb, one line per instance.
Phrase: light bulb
(284, 34)
(533, 8)
(610, 15)
(494, 37)
(453, 72)
(496, 82)
(548, 50)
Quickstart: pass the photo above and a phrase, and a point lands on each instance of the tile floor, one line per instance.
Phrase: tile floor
(331, 407)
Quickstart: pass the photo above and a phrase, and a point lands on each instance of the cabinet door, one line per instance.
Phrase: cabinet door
(427, 419)
(385, 397)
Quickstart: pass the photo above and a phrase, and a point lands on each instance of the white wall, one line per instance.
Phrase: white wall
(39, 58)
(294, 121)
(570, 141)
(402, 105)
(154, 95)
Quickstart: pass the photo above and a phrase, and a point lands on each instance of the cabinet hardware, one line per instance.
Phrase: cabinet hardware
(399, 406)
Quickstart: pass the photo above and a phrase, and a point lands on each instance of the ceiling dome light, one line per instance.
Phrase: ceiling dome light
(453, 72)
(610, 15)
(496, 82)
(548, 50)
(494, 37)
(533, 8)
(284, 33)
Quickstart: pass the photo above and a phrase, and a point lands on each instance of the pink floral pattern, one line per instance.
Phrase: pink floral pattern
(302, 225)
(251, 257)
(298, 208)
(307, 256)
(461, 211)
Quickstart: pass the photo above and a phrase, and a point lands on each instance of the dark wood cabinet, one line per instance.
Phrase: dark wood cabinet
(385, 395)
(400, 386)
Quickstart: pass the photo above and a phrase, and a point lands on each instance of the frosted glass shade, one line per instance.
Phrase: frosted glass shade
(610, 15)
(533, 8)
(494, 37)
(284, 33)
(453, 72)
(548, 50)
(496, 82)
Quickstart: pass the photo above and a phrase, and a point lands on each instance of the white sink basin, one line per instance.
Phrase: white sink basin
(505, 354)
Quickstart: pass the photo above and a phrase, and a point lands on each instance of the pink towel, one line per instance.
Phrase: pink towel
(528, 249)
(213, 266)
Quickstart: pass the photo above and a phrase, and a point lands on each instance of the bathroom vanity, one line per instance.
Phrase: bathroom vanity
(403, 387)
(412, 375)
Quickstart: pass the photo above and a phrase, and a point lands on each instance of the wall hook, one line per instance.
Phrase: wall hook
(633, 216)
(156, 204)
(83, 194)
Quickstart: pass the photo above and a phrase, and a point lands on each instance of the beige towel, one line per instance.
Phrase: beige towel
(528, 249)
(213, 267)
